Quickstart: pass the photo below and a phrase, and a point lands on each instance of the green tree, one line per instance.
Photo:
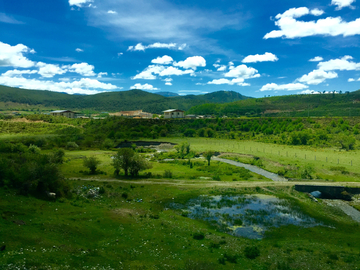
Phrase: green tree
(138, 163)
(91, 163)
(208, 155)
(122, 160)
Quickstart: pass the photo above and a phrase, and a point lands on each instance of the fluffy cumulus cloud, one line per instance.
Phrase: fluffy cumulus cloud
(50, 70)
(343, 63)
(165, 60)
(342, 3)
(79, 3)
(237, 81)
(290, 27)
(145, 86)
(79, 50)
(83, 69)
(220, 67)
(260, 58)
(112, 12)
(353, 80)
(13, 56)
(242, 71)
(157, 45)
(148, 73)
(316, 59)
(168, 81)
(192, 62)
(317, 77)
(287, 87)
(170, 71)
(83, 86)
(16, 73)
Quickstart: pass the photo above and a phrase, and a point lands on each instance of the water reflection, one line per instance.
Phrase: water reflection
(245, 215)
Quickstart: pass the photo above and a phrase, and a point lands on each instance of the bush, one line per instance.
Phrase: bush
(198, 236)
(71, 145)
(34, 149)
(167, 174)
(91, 163)
(251, 252)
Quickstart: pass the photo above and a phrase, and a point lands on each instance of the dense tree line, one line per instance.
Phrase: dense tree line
(31, 172)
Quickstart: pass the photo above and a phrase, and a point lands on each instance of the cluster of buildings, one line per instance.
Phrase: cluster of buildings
(137, 114)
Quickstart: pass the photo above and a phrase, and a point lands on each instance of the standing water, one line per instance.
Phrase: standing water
(246, 215)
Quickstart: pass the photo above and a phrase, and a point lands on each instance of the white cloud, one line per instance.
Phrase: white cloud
(242, 71)
(307, 92)
(157, 45)
(120, 54)
(50, 70)
(292, 28)
(342, 3)
(102, 74)
(168, 81)
(165, 60)
(12, 56)
(351, 80)
(148, 73)
(339, 64)
(287, 87)
(220, 67)
(260, 58)
(79, 50)
(112, 12)
(15, 72)
(7, 19)
(83, 69)
(175, 71)
(238, 81)
(192, 62)
(143, 86)
(79, 3)
(317, 76)
(316, 59)
(83, 86)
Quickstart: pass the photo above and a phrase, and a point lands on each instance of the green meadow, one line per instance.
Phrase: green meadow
(108, 221)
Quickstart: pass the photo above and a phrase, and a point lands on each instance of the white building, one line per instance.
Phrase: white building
(173, 113)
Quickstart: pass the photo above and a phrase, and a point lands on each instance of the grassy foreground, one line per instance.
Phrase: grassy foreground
(131, 226)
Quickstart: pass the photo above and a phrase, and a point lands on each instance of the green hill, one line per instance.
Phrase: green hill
(110, 101)
(347, 104)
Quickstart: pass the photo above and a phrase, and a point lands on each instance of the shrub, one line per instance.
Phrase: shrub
(167, 174)
(108, 143)
(34, 149)
(71, 145)
(91, 163)
(252, 252)
(198, 236)
(124, 195)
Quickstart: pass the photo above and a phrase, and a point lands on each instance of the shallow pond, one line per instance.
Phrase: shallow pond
(246, 215)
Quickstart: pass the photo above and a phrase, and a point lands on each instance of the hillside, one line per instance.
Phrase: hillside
(347, 104)
(109, 101)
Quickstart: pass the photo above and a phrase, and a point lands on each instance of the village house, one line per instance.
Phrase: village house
(64, 113)
(173, 113)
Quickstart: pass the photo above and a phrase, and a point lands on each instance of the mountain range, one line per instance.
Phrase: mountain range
(112, 101)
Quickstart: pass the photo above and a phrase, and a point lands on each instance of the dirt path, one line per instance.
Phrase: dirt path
(253, 168)
(346, 208)
(202, 183)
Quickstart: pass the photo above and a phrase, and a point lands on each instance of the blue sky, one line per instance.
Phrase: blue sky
(256, 48)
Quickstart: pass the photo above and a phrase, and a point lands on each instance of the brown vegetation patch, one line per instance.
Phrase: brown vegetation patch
(25, 120)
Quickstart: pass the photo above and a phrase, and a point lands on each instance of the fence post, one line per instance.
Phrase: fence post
(338, 161)
(315, 157)
(305, 156)
(326, 159)
(351, 163)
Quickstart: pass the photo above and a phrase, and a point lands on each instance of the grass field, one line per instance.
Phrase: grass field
(119, 231)
(275, 157)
